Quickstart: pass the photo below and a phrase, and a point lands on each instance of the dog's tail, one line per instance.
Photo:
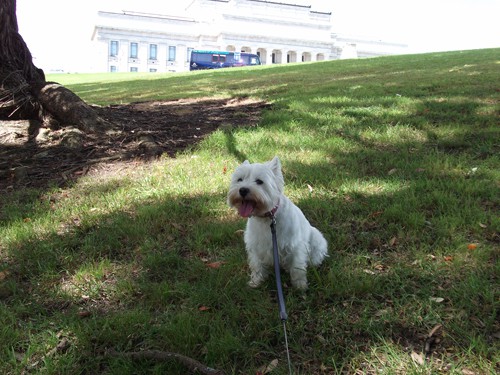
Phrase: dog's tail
(318, 247)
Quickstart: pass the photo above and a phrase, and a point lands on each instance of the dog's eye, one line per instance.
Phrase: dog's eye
(259, 182)
(240, 179)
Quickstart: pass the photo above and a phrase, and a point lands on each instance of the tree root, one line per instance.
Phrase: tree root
(191, 364)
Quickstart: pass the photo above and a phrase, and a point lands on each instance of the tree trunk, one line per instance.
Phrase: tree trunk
(24, 92)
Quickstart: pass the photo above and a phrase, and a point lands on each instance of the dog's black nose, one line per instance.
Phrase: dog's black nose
(244, 191)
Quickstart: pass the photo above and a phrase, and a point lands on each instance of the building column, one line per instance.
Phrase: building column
(284, 56)
(299, 55)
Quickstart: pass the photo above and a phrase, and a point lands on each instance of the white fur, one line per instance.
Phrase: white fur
(299, 243)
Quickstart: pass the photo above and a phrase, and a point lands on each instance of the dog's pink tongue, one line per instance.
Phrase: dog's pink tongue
(246, 208)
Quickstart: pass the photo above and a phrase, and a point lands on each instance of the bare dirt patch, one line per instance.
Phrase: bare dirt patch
(36, 157)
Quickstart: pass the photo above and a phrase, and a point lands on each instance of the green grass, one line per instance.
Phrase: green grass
(394, 159)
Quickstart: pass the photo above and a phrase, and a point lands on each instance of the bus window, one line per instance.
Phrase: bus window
(220, 59)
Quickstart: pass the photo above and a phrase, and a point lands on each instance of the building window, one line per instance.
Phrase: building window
(153, 52)
(113, 69)
(188, 57)
(113, 48)
(133, 50)
(134, 69)
(171, 53)
(152, 70)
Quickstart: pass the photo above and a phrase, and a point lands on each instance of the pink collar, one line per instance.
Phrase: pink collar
(273, 211)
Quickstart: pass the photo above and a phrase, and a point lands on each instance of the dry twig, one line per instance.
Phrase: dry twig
(191, 364)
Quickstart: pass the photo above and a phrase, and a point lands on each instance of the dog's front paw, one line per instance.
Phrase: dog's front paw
(300, 284)
(299, 278)
(255, 280)
(254, 284)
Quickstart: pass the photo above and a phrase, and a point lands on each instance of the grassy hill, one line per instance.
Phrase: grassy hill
(395, 159)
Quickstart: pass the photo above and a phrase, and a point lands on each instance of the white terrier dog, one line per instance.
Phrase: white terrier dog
(256, 191)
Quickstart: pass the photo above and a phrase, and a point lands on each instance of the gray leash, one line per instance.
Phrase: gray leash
(281, 299)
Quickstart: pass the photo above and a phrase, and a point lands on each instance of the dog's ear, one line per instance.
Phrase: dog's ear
(275, 166)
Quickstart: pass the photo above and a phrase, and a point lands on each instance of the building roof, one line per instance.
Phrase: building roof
(279, 3)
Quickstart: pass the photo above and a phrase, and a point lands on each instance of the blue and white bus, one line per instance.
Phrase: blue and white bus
(221, 59)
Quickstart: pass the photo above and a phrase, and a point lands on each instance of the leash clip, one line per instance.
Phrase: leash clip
(273, 222)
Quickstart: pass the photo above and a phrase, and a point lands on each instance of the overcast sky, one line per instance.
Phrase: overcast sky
(58, 32)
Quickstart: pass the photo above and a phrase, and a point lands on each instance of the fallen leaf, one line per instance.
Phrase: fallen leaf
(376, 213)
(178, 226)
(4, 274)
(203, 308)
(369, 272)
(483, 225)
(437, 299)
(27, 220)
(382, 312)
(379, 267)
(392, 241)
(466, 371)
(478, 322)
(216, 264)
(224, 170)
(84, 314)
(271, 366)
(348, 199)
(392, 171)
(63, 345)
(448, 258)
(267, 369)
(472, 246)
(417, 358)
(434, 331)
(310, 188)
(321, 339)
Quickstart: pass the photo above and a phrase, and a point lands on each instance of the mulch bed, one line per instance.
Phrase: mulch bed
(32, 157)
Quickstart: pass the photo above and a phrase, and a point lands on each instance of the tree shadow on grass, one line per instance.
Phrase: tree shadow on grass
(144, 130)
(121, 280)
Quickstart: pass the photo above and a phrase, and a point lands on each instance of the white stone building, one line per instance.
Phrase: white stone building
(278, 32)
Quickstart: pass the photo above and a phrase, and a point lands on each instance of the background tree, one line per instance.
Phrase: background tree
(24, 91)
